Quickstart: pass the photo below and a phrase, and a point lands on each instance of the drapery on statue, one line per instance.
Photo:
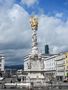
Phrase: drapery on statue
(34, 23)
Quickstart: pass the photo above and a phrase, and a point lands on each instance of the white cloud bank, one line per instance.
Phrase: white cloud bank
(29, 2)
(13, 24)
(15, 32)
(53, 31)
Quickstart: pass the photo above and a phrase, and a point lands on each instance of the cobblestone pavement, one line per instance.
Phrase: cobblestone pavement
(64, 88)
(44, 88)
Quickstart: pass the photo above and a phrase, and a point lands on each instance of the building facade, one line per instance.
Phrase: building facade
(66, 64)
(60, 70)
(2, 63)
(49, 63)
(50, 66)
(56, 65)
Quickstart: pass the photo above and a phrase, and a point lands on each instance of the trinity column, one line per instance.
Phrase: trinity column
(34, 60)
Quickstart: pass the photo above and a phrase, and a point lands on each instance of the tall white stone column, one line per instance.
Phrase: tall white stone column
(34, 27)
(34, 61)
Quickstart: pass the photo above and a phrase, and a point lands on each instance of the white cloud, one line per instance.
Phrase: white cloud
(53, 31)
(59, 15)
(55, 49)
(14, 24)
(6, 4)
(29, 2)
(15, 31)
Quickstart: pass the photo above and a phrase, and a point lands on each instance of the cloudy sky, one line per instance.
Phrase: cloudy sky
(15, 30)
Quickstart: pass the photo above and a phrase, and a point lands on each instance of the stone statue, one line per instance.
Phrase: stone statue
(34, 23)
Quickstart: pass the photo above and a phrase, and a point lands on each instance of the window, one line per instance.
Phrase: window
(66, 56)
(24, 78)
(29, 65)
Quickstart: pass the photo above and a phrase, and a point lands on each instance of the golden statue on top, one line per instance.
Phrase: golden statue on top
(34, 23)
